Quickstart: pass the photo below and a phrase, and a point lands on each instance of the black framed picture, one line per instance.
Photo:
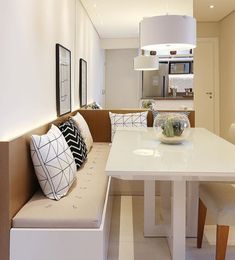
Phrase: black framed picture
(83, 82)
(63, 80)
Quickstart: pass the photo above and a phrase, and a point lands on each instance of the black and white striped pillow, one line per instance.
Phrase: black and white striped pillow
(75, 141)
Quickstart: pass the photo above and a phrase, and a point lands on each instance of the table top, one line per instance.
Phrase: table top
(138, 154)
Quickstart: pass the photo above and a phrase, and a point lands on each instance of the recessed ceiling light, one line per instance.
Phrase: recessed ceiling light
(211, 6)
(94, 5)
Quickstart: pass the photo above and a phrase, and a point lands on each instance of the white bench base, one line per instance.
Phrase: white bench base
(61, 244)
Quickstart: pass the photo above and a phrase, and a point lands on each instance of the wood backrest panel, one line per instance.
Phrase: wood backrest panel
(23, 181)
(99, 122)
(192, 118)
(5, 223)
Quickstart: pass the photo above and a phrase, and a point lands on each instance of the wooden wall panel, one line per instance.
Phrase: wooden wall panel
(22, 182)
(5, 222)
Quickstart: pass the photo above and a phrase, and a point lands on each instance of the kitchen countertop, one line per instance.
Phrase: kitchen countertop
(180, 97)
(174, 98)
(170, 103)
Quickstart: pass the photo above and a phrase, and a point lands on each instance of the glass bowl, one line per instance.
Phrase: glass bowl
(170, 127)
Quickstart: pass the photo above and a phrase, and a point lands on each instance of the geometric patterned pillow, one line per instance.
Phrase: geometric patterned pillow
(53, 163)
(75, 141)
(138, 119)
(84, 129)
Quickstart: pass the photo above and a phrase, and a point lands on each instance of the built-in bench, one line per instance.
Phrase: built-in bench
(82, 207)
(74, 230)
(76, 226)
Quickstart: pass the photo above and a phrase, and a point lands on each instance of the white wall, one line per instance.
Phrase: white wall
(120, 43)
(29, 32)
(88, 47)
(207, 29)
(227, 75)
(122, 82)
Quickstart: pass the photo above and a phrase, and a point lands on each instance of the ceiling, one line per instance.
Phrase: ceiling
(221, 9)
(120, 18)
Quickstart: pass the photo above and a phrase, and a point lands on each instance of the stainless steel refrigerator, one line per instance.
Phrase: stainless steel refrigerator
(155, 83)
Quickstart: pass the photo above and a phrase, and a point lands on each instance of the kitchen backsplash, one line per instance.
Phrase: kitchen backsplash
(181, 82)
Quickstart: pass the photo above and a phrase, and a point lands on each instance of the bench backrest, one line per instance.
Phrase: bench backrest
(99, 122)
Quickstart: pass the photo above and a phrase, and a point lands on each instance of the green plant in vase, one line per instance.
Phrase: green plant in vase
(172, 128)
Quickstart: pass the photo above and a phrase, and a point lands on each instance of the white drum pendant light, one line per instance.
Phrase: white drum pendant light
(146, 62)
(168, 32)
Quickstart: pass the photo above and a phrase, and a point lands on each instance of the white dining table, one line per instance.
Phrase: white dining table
(137, 154)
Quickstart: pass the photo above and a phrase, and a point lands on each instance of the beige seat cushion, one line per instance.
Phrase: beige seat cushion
(83, 205)
(220, 199)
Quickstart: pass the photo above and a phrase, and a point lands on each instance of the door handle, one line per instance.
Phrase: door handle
(210, 94)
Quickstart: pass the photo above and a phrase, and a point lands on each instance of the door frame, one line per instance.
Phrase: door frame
(216, 83)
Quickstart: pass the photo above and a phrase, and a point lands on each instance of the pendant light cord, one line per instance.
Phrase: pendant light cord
(167, 7)
(141, 52)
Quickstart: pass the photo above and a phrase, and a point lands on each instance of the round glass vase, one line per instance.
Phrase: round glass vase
(169, 127)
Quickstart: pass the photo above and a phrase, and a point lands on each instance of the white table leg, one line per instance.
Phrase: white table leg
(192, 188)
(192, 208)
(150, 227)
(178, 220)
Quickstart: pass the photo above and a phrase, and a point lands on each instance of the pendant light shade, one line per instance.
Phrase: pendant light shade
(149, 62)
(168, 32)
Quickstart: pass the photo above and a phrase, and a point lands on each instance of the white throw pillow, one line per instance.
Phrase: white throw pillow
(84, 129)
(53, 163)
(138, 119)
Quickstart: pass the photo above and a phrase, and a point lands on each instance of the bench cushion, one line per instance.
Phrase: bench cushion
(220, 199)
(83, 205)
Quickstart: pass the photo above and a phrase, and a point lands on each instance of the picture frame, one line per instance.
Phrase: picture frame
(63, 80)
(83, 82)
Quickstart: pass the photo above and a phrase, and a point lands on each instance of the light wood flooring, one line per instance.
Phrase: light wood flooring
(127, 241)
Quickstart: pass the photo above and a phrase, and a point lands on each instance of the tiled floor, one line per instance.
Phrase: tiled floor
(127, 241)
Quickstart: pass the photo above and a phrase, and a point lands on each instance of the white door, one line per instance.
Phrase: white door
(206, 84)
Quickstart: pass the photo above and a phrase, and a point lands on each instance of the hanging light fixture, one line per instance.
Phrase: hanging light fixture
(168, 32)
(146, 62)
